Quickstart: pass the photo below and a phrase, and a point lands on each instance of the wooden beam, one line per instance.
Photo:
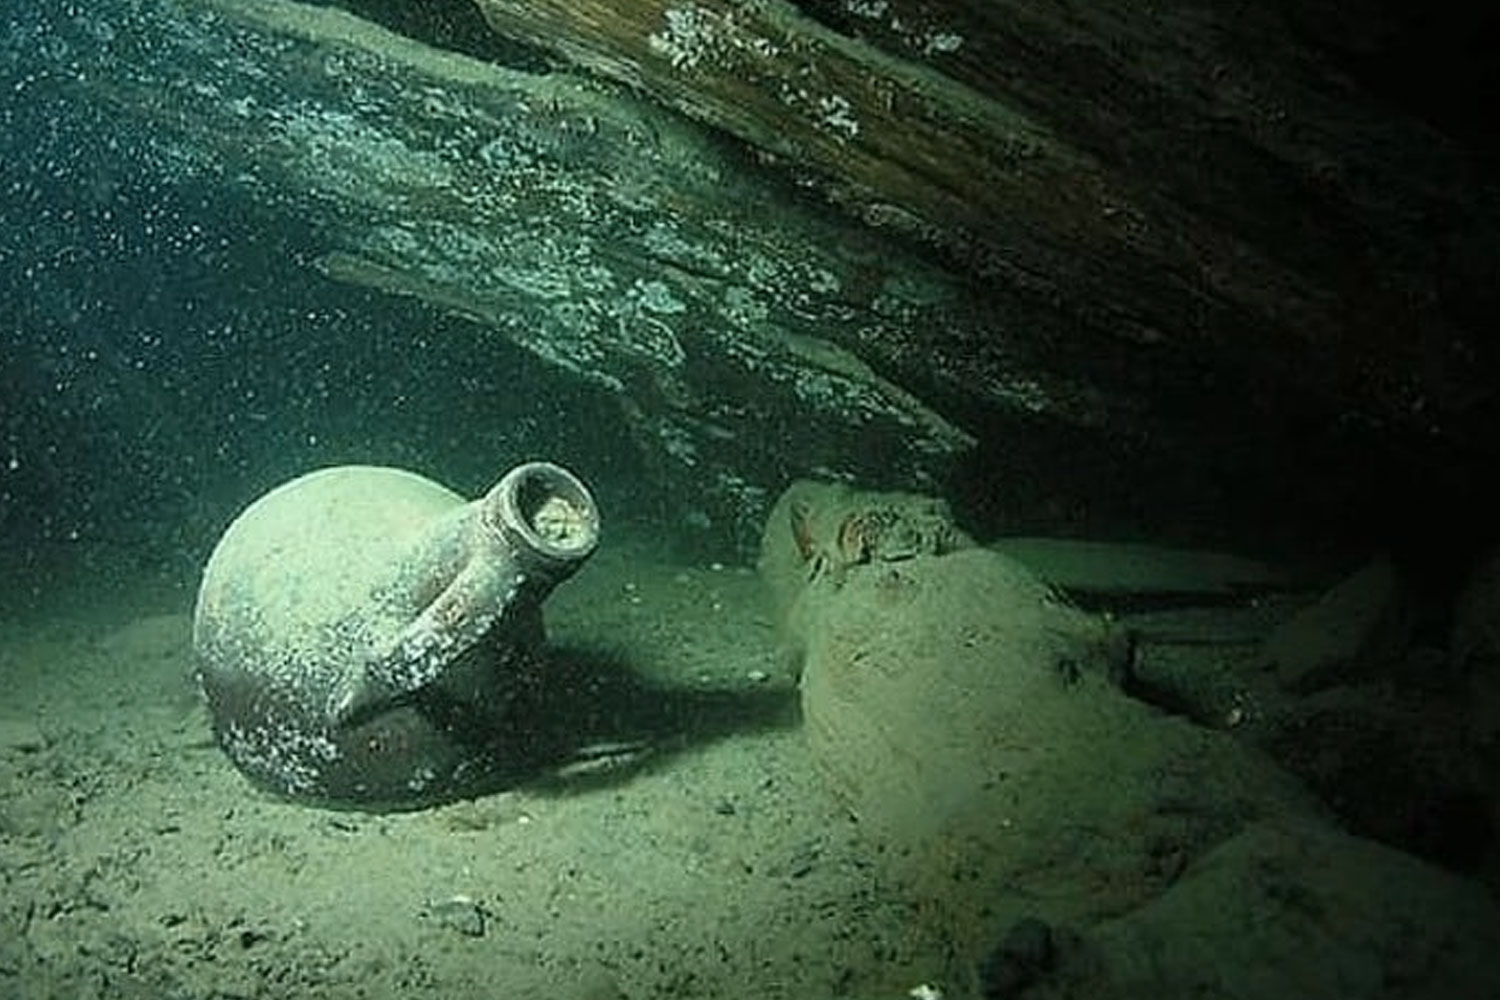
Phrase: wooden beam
(1183, 175)
(906, 145)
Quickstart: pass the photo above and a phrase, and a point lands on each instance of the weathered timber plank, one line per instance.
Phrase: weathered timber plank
(905, 144)
(747, 337)
(1182, 173)
(1225, 111)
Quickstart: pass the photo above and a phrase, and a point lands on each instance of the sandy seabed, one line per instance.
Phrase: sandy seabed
(137, 862)
(687, 846)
